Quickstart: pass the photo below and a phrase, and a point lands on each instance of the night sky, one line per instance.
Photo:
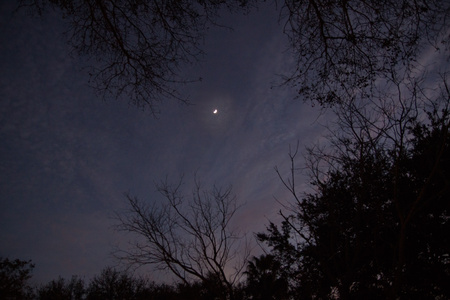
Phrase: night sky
(67, 157)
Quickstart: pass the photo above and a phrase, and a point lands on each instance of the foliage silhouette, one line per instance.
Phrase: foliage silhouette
(14, 276)
(61, 288)
(376, 225)
(112, 284)
(266, 279)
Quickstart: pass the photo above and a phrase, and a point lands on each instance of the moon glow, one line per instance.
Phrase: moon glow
(215, 111)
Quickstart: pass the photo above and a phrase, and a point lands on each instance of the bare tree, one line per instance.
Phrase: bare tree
(191, 238)
(137, 47)
(344, 46)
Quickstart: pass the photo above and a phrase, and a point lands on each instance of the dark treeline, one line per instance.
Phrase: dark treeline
(109, 284)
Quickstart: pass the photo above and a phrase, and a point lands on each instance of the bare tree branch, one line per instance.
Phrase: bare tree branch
(191, 237)
(136, 48)
(344, 47)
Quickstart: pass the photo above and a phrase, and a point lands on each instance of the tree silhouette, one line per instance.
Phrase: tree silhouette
(376, 225)
(137, 48)
(191, 238)
(342, 47)
(72, 289)
(114, 285)
(345, 47)
(266, 279)
(14, 276)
